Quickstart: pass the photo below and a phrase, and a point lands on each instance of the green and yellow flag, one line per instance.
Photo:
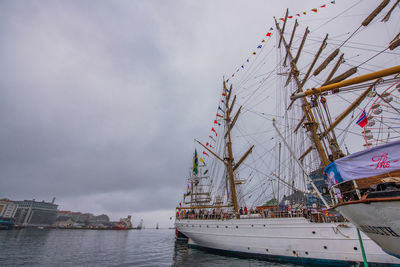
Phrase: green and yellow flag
(195, 163)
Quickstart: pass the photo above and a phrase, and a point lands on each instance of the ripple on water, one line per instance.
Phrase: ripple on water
(34, 247)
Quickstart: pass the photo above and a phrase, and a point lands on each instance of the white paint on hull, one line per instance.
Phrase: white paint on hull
(380, 221)
(287, 237)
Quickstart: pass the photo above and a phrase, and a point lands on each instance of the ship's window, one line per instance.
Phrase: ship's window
(306, 252)
(248, 248)
(237, 226)
(217, 226)
(207, 226)
(264, 225)
(226, 226)
(325, 247)
(266, 250)
(313, 232)
(252, 225)
(355, 248)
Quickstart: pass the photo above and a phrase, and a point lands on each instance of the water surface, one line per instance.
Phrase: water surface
(149, 247)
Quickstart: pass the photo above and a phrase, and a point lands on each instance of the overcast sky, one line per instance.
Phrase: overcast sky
(100, 100)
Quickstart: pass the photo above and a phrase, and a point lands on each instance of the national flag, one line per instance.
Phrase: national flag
(323, 6)
(223, 94)
(290, 17)
(362, 120)
(282, 19)
(259, 46)
(215, 122)
(305, 13)
(315, 10)
(212, 138)
(271, 29)
(195, 163)
(242, 66)
(333, 2)
(269, 34)
(220, 116)
(247, 60)
(298, 15)
(207, 144)
(222, 101)
(233, 75)
(221, 109)
(263, 41)
(227, 80)
(202, 161)
(254, 53)
(204, 153)
(212, 129)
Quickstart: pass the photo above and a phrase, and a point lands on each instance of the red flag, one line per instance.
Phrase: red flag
(219, 116)
(207, 144)
(204, 153)
(282, 19)
(215, 122)
(233, 75)
(222, 101)
(323, 6)
(315, 10)
(223, 93)
(212, 138)
(269, 34)
(298, 15)
(214, 131)
(290, 17)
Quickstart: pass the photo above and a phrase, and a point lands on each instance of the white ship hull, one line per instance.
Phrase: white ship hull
(380, 221)
(285, 239)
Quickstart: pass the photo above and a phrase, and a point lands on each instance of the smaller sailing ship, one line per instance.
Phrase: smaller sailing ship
(366, 189)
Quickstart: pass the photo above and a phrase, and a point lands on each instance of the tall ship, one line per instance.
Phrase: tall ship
(276, 200)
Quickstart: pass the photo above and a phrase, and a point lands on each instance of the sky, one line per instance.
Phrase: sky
(100, 101)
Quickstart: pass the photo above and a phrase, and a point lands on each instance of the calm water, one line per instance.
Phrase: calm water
(35, 247)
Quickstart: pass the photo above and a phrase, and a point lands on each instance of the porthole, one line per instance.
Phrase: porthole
(355, 248)
(226, 226)
(252, 225)
(294, 252)
(306, 252)
(264, 225)
(325, 247)
(248, 248)
(266, 250)
(313, 232)
(237, 226)
(207, 226)
(217, 226)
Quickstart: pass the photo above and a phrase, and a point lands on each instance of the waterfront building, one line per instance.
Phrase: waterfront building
(35, 213)
(8, 208)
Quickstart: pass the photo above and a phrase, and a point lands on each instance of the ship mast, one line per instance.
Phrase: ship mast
(311, 123)
(229, 159)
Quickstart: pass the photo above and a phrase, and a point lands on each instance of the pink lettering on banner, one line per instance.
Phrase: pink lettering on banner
(382, 161)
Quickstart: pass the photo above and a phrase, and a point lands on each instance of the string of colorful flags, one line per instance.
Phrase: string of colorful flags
(212, 142)
(269, 35)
